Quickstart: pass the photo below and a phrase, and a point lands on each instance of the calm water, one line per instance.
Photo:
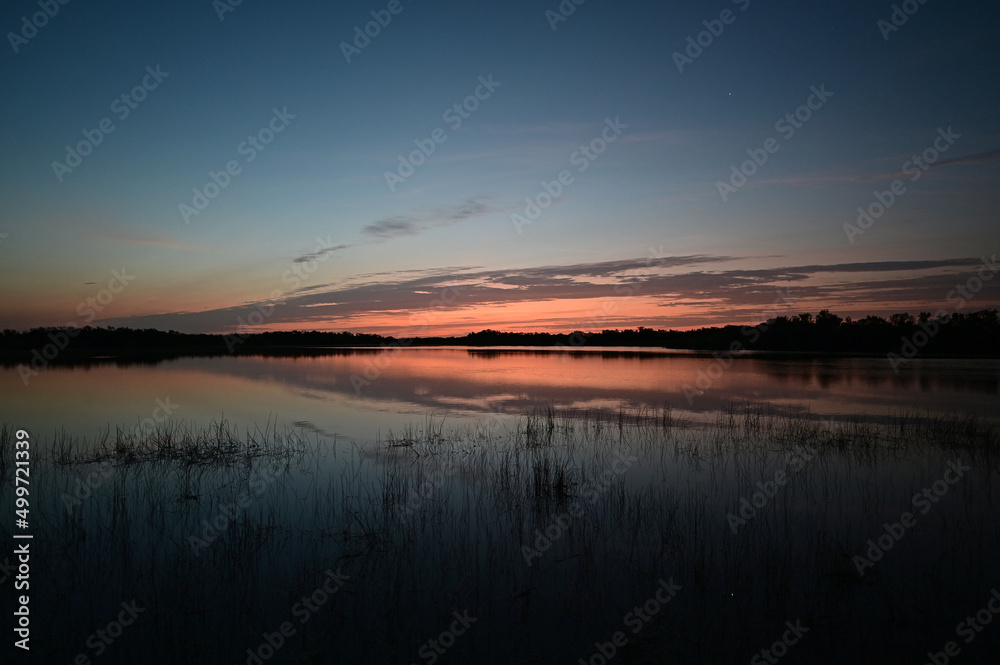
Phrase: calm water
(652, 502)
(359, 394)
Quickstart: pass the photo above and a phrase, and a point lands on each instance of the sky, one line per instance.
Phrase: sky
(211, 167)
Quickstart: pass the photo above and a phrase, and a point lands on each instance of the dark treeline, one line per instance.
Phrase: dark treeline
(65, 344)
(973, 334)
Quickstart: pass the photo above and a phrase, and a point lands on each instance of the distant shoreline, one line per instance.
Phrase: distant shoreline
(898, 338)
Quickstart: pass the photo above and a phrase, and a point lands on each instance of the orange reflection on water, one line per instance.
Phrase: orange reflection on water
(361, 392)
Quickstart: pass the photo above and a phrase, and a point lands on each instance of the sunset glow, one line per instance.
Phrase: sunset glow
(551, 189)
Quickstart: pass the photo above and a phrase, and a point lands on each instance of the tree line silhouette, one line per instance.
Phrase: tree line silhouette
(974, 334)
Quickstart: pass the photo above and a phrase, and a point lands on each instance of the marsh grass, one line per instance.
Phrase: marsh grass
(7, 439)
(433, 519)
(174, 441)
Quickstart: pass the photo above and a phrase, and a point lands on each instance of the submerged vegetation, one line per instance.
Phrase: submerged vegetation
(551, 533)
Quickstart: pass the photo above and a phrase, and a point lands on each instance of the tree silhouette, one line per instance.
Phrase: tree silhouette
(956, 334)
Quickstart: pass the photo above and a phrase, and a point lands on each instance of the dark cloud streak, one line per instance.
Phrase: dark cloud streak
(722, 296)
(408, 225)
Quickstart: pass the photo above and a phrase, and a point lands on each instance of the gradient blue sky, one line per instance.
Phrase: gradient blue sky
(447, 230)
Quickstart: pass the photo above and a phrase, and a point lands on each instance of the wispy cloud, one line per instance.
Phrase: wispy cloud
(834, 178)
(684, 289)
(408, 225)
(977, 158)
(392, 227)
(319, 254)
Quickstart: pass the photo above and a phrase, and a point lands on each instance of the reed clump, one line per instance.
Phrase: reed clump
(549, 531)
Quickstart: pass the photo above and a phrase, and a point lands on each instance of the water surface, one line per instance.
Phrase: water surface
(360, 394)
